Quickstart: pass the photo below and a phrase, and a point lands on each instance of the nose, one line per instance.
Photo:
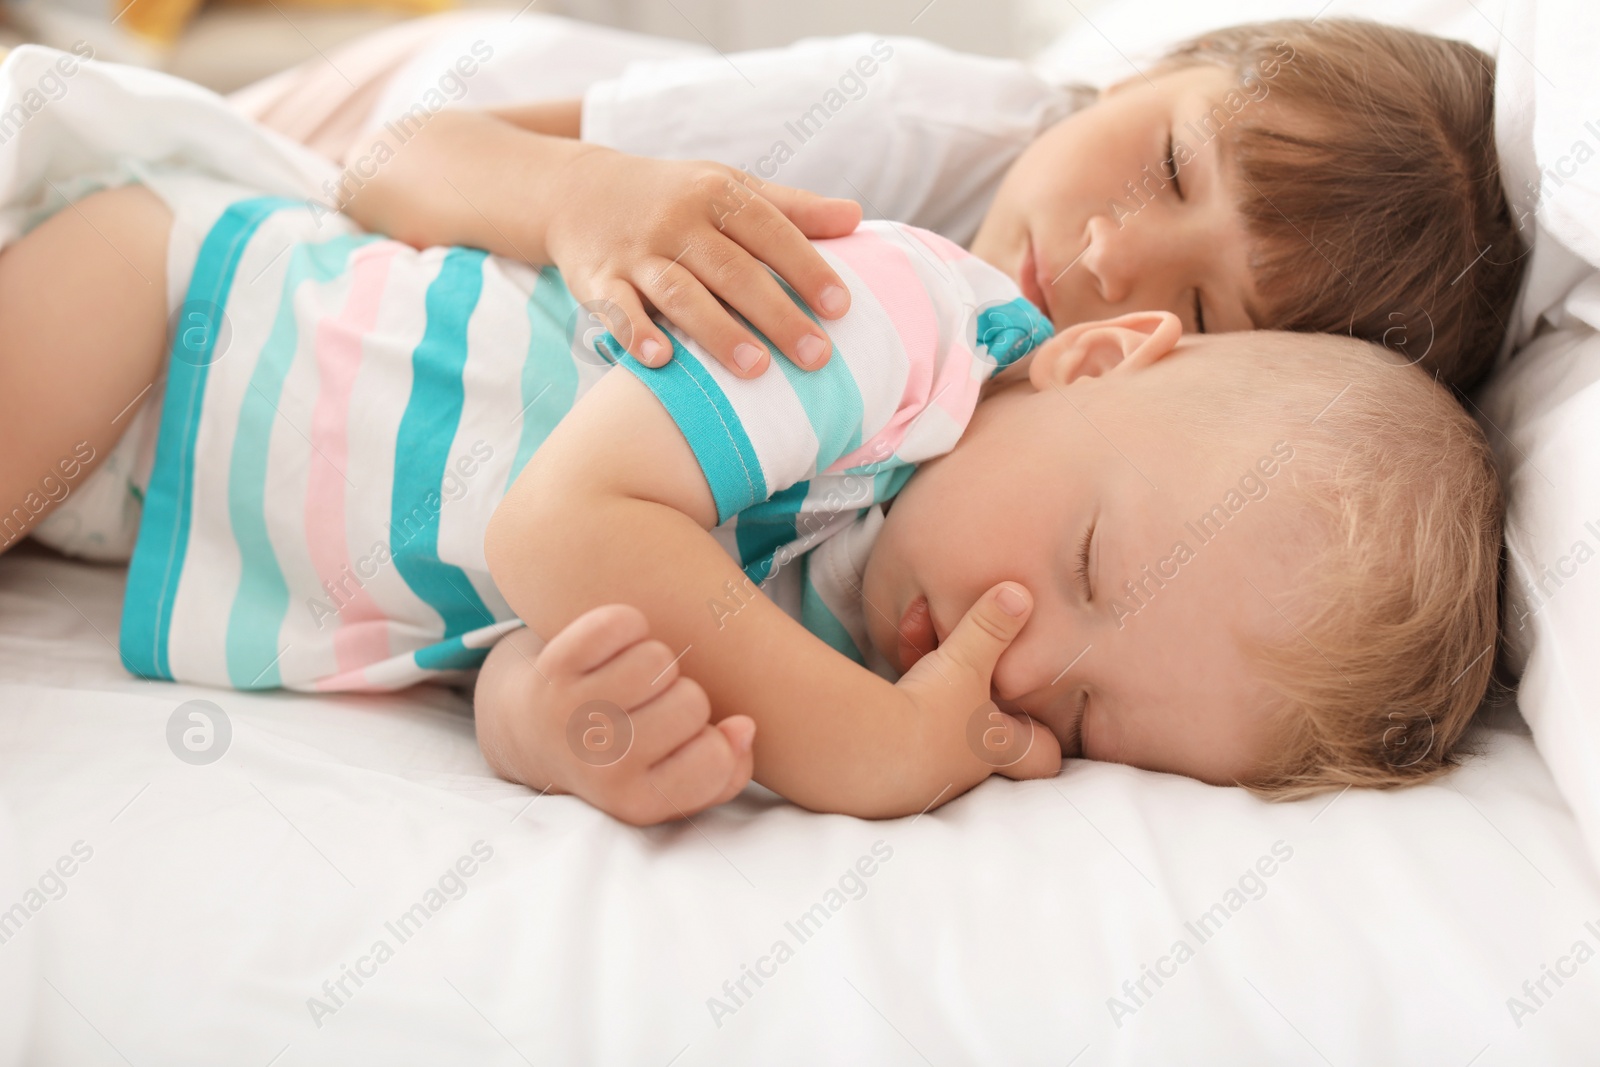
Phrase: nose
(1111, 257)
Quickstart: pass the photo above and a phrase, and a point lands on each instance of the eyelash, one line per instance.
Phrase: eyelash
(1177, 186)
(1083, 562)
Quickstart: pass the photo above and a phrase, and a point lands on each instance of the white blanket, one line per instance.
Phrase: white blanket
(1013, 926)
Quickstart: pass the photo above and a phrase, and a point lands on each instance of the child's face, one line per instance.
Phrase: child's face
(1069, 448)
(1056, 228)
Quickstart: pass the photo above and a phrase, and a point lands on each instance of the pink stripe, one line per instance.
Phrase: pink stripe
(338, 346)
(946, 249)
(883, 265)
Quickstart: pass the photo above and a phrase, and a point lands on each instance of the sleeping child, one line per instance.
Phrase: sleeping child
(1259, 558)
(1254, 558)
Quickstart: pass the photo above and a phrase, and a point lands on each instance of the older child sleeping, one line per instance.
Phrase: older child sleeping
(1331, 174)
(1264, 558)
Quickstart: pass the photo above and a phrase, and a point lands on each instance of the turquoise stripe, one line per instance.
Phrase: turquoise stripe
(422, 445)
(709, 423)
(450, 655)
(765, 527)
(818, 618)
(886, 483)
(261, 602)
(830, 397)
(157, 563)
(549, 375)
(1012, 330)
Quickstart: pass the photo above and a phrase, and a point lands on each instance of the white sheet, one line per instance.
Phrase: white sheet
(218, 899)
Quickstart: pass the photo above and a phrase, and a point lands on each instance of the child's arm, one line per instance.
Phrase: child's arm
(614, 508)
(623, 230)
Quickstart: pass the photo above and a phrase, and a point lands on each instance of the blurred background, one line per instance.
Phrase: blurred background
(225, 44)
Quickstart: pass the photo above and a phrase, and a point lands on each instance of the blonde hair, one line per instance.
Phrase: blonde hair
(1393, 624)
(1369, 185)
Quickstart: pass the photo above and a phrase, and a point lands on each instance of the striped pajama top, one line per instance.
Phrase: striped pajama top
(342, 413)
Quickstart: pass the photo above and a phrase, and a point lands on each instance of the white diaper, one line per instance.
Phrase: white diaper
(99, 519)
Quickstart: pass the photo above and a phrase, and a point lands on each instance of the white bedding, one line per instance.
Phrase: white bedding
(218, 899)
(208, 904)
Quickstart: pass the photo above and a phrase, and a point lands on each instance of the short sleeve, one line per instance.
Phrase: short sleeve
(927, 324)
(913, 131)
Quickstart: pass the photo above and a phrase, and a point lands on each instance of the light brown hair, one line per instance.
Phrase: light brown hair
(1391, 631)
(1370, 188)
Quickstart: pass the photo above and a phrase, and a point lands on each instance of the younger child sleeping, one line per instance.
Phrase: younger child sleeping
(1260, 558)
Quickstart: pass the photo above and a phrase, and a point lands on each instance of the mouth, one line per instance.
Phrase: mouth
(1031, 279)
(918, 634)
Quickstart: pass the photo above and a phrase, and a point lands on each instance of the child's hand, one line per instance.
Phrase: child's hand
(951, 687)
(601, 712)
(625, 229)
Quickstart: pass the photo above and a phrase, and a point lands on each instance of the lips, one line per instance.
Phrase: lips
(1031, 279)
(917, 634)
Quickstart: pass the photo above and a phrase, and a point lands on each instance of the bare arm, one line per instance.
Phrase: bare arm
(629, 233)
(555, 118)
(614, 508)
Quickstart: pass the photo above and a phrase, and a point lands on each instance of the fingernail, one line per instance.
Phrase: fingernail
(1012, 602)
(650, 350)
(811, 349)
(834, 299)
(746, 737)
(746, 355)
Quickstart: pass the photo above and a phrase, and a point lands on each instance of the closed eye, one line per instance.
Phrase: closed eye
(1083, 562)
(1172, 166)
(1199, 314)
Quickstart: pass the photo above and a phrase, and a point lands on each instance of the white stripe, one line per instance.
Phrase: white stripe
(497, 348)
(290, 457)
(211, 568)
(871, 347)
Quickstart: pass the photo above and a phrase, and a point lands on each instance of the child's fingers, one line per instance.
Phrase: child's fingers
(644, 341)
(730, 266)
(740, 730)
(817, 216)
(692, 778)
(593, 638)
(682, 297)
(662, 724)
(1042, 758)
(638, 674)
(773, 239)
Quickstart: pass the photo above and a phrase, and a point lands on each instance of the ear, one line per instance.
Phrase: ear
(1092, 349)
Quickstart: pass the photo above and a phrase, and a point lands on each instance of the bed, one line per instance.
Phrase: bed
(193, 876)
